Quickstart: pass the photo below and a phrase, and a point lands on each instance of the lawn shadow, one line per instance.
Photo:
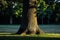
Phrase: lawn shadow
(26, 38)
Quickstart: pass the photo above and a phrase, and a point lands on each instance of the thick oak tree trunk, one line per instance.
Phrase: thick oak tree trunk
(29, 20)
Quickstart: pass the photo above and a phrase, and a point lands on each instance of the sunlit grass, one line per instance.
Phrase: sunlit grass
(5, 33)
(51, 35)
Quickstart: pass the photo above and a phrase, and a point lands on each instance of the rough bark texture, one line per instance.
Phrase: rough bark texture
(29, 22)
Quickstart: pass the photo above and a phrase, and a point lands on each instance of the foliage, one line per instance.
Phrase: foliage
(50, 35)
(10, 6)
(46, 8)
(49, 2)
(43, 6)
(18, 9)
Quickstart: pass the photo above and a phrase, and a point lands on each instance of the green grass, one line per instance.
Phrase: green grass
(46, 36)
(26, 38)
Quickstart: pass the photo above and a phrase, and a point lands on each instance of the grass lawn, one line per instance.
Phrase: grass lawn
(46, 36)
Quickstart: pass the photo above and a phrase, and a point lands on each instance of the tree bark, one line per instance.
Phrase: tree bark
(11, 20)
(29, 20)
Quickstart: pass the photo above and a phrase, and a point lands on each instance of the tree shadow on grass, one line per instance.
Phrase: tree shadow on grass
(26, 38)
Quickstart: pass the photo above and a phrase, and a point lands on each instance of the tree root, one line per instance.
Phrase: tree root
(38, 31)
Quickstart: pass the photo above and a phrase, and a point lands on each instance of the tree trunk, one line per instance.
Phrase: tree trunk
(11, 20)
(29, 20)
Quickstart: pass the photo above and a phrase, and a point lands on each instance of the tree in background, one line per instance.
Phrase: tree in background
(57, 11)
(10, 9)
(47, 8)
(50, 9)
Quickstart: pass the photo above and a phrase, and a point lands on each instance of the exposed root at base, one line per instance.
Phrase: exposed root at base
(27, 31)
